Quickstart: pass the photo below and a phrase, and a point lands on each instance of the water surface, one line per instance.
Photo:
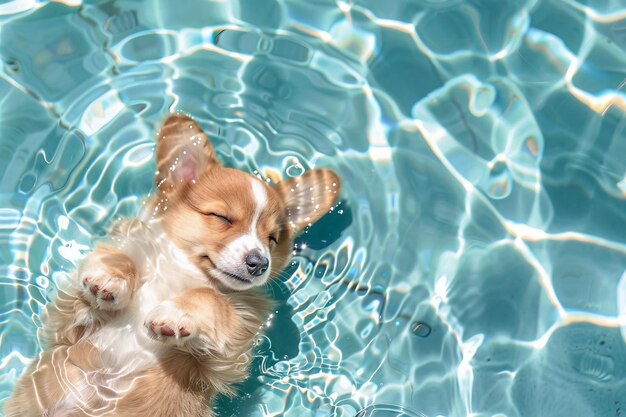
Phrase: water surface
(475, 265)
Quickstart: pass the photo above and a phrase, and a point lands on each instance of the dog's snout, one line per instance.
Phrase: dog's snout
(256, 263)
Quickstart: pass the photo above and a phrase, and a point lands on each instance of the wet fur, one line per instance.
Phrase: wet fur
(90, 368)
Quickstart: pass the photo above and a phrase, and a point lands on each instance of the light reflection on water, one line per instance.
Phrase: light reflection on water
(476, 263)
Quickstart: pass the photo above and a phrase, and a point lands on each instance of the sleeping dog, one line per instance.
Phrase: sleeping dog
(161, 315)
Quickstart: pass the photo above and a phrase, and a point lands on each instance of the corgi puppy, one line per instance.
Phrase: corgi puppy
(162, 315)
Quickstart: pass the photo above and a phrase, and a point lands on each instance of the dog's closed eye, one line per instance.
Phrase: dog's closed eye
(223, 218)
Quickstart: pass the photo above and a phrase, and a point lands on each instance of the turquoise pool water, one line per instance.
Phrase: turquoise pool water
(476, 264)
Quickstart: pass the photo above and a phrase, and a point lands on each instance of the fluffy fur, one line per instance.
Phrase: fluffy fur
(161, 316)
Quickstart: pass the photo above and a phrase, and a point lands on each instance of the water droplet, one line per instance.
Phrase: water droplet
(594, 365)
(295, 170)
(420, 329)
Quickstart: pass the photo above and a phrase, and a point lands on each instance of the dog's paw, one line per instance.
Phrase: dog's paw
(104, 292)
(168, 324)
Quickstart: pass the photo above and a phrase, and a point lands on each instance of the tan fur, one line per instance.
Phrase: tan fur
(72, 315)
(187, 224)
(202, 333)
(61, 372)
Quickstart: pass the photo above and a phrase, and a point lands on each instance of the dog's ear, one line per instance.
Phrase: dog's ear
(183, 152)
(308, 197)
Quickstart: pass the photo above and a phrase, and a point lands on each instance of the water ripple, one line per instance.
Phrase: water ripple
(482, 225)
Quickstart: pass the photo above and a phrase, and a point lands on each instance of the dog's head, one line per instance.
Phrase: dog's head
(233, 226)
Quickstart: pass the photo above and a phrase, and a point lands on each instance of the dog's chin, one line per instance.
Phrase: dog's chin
(235, 281)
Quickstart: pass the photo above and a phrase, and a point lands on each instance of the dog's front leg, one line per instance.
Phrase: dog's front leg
(107, 278)
(202, 321)
(104, 284)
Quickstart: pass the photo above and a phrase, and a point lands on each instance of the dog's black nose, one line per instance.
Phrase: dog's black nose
(257, 264)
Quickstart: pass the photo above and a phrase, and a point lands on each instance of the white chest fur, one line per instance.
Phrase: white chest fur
(164, 272)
